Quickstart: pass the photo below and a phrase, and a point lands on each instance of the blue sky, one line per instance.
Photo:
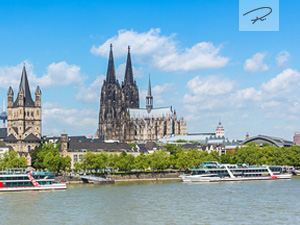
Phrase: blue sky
(199, 61)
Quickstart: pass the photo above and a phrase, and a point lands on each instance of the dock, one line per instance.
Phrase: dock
(96, 180)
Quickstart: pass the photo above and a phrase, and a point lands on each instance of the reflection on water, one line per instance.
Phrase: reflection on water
(157, 202)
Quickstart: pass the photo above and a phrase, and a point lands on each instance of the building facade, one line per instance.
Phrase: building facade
(122, 119)
(24, 117)
(296, 138)
(272, 141)
(220, 130)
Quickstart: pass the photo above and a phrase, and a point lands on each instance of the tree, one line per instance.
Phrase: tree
(159, 160)
(47, 157)
(125, 162)
(141, 162)
(113, 160)
(132, 145)
(39, 153)
(11, 159)
(100, 161)
(77, 166)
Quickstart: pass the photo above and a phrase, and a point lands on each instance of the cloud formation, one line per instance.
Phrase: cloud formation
(276, 99)
(61, 74)
(163, 52)
(58, 75)
(286, 81)
(256, 63)
(91, 93)
(83, 121)
(120, 72)
(282, 58)
(158, 93)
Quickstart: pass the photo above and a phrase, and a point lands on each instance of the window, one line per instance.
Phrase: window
(75, 158)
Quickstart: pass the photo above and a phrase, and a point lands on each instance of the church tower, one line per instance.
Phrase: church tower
(110, 104)
(130, 91)
(130, 99)
(24, 119)
(149, 98)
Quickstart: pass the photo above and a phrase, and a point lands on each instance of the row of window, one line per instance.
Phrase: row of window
(26, 178)
(76, 158)
(24, 184)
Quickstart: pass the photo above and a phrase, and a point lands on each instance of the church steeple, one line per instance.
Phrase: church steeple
(128, 72)
(111, 75)
(149, 98)
(25, 90)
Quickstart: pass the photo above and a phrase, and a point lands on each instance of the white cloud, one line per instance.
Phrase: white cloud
(244, 116)
(248, 94)
(120, 72)
(72, 120)
(163, 52)
(256, 63)
(282, 58)
(11, 75)
(286, 81)
(92, 92)
(61, 74)
(158, 93)
(200, 88)
(270, 104)
(58, 75)
(275, 101)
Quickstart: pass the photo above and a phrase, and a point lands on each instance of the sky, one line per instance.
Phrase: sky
(198, 60)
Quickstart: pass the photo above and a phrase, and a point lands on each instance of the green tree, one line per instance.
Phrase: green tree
(141, 162)
(125, 162)
(12, 159)
(159, 160)
(113, 160)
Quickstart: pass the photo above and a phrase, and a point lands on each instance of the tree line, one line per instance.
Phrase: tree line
(175, 157)
(172, 157)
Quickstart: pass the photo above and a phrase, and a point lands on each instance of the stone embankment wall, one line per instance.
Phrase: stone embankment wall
(146, 176)
(130, 177)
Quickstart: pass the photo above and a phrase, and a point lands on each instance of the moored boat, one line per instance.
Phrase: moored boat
(215, 172)
(296, 172)
(20, 180)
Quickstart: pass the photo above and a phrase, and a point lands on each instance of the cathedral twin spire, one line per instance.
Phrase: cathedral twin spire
(111, 74)
(128, 72)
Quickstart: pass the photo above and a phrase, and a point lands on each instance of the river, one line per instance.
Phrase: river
(158, 202)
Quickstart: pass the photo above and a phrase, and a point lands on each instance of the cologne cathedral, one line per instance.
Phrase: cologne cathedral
(121, 118)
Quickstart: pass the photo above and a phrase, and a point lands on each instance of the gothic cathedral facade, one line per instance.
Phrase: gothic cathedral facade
(24, 119)
(122, 119)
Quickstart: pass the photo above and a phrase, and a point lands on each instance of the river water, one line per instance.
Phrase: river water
(172, 202)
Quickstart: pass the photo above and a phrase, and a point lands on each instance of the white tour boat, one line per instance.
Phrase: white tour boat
(215, 172)
(20, 180)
